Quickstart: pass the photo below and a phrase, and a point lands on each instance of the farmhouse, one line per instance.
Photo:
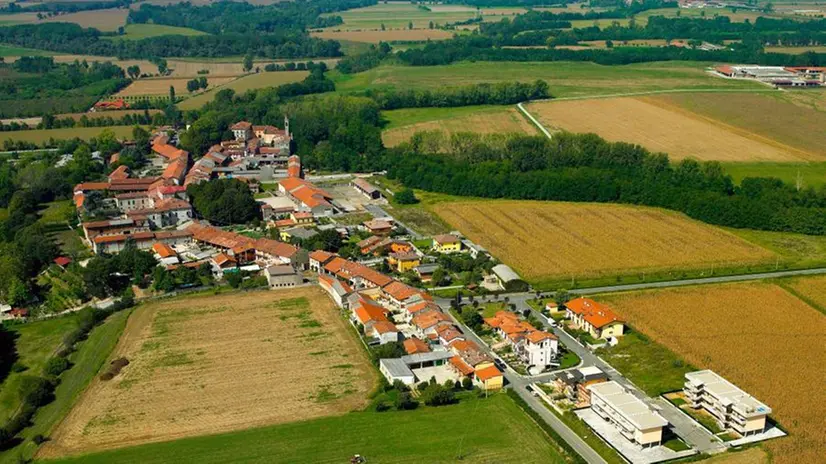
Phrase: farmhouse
(447, 243)
(337, 289)
(632, 417)
(730, 406)
(380, 227)
(403, 262)
(307, 196)
(366, 188)
(595, 318)
(414, 345)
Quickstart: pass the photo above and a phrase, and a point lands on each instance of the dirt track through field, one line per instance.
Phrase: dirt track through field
(660, 127)
(210, 364)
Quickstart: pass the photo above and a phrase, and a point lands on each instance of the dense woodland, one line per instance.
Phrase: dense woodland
(502, 93)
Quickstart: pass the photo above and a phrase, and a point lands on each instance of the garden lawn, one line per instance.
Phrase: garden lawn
(476, 430)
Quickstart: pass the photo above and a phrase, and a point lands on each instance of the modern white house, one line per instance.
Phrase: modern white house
(731, 407)
(538, 348)
(632, 417)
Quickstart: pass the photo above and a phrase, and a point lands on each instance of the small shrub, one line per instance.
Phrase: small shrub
(114, 369)
(55, 366)
(382, 406)
(39, 439)
(18, 367)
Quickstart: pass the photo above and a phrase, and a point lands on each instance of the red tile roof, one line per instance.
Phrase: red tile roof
(596, 314)
(163, 250)
(414, 345)
(461, 365)
(383, 327)
(63, 261)
(488, 373)
(399, 291)
(121, 172)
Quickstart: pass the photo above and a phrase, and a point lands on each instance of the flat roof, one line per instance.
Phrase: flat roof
(728, 393)
(396, 367)
(628, 405)
(426, 357)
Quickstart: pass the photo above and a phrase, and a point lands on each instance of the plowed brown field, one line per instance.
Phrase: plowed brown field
(555, 239)
(209, 364)
(758, 336)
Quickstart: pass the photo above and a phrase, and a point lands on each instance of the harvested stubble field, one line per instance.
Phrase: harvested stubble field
(104, 20)
(396, 35)
(758, 336)
(791, 119)
(160, 86)
(216, 363)
(660, 127)
(546, 240)
(483, 120)
(398, 15)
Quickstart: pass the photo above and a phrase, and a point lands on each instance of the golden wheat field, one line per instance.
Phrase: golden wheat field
(214, 363)
(758, 336)
(160, 86)
(677, 132)
(483, 122)
(557, 239)
(812, 289)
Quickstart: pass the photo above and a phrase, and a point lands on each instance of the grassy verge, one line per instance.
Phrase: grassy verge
(86, 362)
(651, 366)
(36, 343)
(675, 444)
(500, 433)
(568, 360)
(703, 419)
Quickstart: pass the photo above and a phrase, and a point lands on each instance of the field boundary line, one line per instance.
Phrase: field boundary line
(651, 92)
(534, 121)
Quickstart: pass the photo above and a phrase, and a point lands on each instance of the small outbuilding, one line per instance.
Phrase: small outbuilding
(283, 276)
(508, 279)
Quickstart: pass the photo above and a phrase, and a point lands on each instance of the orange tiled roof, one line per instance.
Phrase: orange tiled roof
(538, 336)
(168, 151)
(414, 345)
(121, 172)
(501, 318)
(321, 256)
(163, 250)
(368, 310)
(461, 365)
(399, 291)
(596, 314)
(488, 373)
(429, 319)
(383, 327)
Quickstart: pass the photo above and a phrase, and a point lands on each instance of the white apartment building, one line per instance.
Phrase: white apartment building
(627, 413)
(538, 348)
(732, 407)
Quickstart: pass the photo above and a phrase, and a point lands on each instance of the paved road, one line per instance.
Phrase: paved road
(694, 434)
(519, 383)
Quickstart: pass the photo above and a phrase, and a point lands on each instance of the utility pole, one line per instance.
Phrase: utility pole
(799, 181)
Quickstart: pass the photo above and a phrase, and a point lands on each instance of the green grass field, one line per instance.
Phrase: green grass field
(85, 133)
(475, 430)
(143, 31)
(811, 174)
(566, 79)
(408, 116)
(795, 250)
(397, 15)
(86, 362)
(250, 82)
(36, 343)
(11, 50)
(651, 366)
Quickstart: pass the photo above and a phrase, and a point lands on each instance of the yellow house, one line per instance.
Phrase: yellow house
(403, 262)
(447, 243)
(595, 318)
(489, 376)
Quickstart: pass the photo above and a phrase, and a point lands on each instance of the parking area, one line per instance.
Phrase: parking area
(442, 374)
(634, 453)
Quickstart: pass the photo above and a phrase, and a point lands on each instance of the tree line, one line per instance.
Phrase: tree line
(71, 38)
(502, 93)
(585, 167)
(482, 49)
